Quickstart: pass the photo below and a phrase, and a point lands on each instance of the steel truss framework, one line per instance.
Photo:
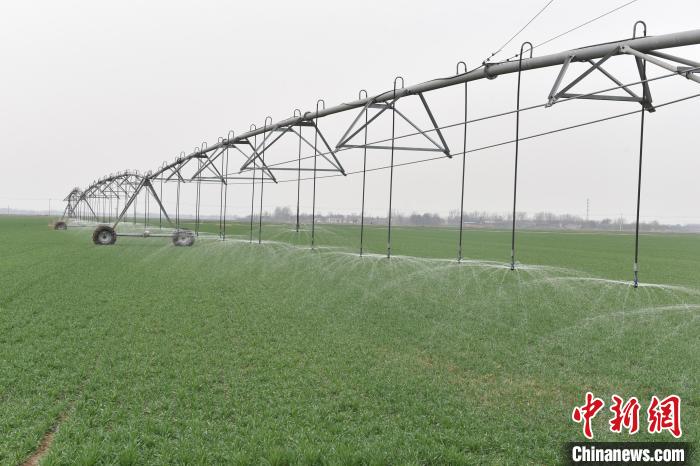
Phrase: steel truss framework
(72, 200)
(109, 199)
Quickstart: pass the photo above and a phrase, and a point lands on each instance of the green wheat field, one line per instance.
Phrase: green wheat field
(235, 353)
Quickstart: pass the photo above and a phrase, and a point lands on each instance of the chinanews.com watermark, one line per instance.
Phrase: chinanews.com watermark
(599, 453)
(661, 415)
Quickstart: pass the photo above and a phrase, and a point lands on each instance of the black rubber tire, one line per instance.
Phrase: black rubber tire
(60, 225)
(183, 238)
(104, 235)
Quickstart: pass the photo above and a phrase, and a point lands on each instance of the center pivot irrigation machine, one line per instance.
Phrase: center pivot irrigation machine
(109, 199)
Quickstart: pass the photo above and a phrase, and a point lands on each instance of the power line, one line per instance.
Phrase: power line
(519, 31)
(609, 12)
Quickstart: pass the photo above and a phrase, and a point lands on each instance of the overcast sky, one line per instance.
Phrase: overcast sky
(93, 87)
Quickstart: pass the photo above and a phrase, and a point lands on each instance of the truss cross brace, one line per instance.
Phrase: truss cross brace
(555, 94)
(145, 183)
(440, 146)
(256, 155)
(689, 72)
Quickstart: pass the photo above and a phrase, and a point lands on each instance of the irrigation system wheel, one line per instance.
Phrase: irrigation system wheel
(104, 235)
(60, 225)
(183, 238)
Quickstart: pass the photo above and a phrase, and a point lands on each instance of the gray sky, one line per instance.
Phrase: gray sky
(94, 87)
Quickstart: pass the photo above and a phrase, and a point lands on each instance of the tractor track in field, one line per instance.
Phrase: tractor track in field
(46, 441)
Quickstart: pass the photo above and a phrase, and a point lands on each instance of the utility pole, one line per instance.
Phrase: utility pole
(588, 209)
(49, 207)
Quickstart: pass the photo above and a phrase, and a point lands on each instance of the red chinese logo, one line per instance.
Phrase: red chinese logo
(662, 415)
(587, 412)
(665, 415)
(626, 415)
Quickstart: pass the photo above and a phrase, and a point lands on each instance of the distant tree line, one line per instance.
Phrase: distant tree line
(540, 220)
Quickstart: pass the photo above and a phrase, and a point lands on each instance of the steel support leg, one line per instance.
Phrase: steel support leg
(517, 144)
(391, 169)
(221, 199)
(262, 187)
(127, 204)
(224, 171)
(364, 179)
(313, 197)
(160, 214)
(464, 169)
(639, 195)
(298, 179)
(262, 182)
(199, 187)
(177, 206)
(313, 201)
(162, 210)
(145, 209)
(252, 193)
(646, 104)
